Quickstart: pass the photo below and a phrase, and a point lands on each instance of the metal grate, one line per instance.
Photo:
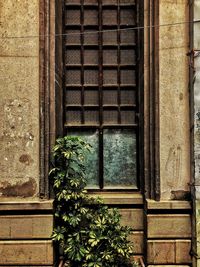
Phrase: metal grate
(127, 117)
(91, 117)
(73, 77)
(110, 97)
(127, 17)
(128, 56)
(110, 57)
(110, 77)
(91, 57)
(91, 17)
(91, 97)
(110, 117)
(91, 77)
(72, 17)
(73, 117)
(110, 17)
(128, 77)
(128, 97)
(73, 97)
(73, 57)
(100, 65)
(110, 38)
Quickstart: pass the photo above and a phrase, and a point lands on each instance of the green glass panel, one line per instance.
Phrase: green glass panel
(92, 163)
(119, 158)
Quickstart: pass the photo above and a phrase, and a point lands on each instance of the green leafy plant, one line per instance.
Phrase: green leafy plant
(88, 232)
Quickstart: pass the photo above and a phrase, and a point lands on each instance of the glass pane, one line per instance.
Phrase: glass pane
(92, 163)
(119, 158)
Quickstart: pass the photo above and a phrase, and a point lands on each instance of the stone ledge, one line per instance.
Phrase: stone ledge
(26, 205)
(168, 205)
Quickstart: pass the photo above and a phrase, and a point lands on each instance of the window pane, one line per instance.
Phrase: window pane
(119, 158)
(92, 163)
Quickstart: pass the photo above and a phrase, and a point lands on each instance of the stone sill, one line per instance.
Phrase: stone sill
(120, 198)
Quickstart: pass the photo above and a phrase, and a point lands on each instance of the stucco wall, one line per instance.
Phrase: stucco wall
(174, 100)
(19, 98)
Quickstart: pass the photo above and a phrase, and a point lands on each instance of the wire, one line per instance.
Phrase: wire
(103, 31)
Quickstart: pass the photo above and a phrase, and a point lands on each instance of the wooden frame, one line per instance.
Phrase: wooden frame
(46, 92)
(51, 95)
(151, 102)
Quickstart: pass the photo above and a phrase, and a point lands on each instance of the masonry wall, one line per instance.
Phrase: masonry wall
(19, 99)
(196, 74)
(162, 229)
(25, 221)
(168, 229)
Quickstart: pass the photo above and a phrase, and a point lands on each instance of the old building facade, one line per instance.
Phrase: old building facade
(37, 73)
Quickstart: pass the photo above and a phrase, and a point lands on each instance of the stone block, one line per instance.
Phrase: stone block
(168, 251)
(132, 218)
(138, 242)
(167, 226)
(26, 226)
(26, 253)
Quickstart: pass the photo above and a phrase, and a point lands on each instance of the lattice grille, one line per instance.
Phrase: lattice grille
(73, 77)
(90, 37)
(73, 117)
(127, 117)
(109, 17)
(92, 117)
(110, 117)
(91, 17)
(91, 57)
(109, 38)
(73, 57)
(110, 77)
(128, 37)
(72, 17)
(100, 67)
(110, 97)
(127, 17)
(110, 57)
(91, 97)
(73, 37)
(128, 57)
(91, 77)
(73, 97)
(128, 97)
(128, 77)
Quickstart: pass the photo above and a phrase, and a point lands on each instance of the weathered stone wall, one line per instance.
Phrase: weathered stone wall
(174, 99)
(197, 126)
(19, 98)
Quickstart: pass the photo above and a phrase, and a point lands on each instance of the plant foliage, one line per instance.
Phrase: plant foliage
(89, 232)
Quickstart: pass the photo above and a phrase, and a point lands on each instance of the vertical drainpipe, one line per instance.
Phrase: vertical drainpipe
(195, 124)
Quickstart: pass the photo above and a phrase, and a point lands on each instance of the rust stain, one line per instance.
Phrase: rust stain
(25, 159)
(26, 189)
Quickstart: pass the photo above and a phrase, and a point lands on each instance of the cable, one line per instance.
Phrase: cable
(103, 31)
